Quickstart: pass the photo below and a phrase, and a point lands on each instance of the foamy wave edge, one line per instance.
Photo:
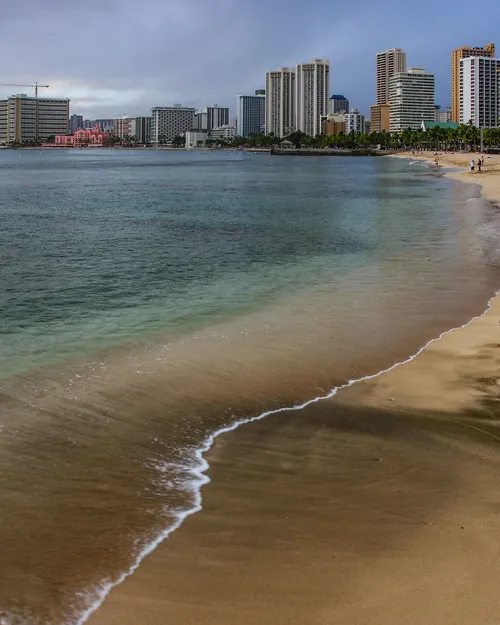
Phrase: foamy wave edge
(199, 471)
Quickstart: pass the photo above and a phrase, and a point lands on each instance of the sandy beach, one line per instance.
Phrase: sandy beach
(379, 505)
(488, 178)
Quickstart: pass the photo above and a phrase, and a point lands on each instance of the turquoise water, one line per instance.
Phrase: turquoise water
(100, 247)
(149, 299)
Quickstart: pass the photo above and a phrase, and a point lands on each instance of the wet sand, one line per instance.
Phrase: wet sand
(380, 505)
(488, 178)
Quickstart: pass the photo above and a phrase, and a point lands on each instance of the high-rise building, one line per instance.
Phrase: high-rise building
(412, 99)
(123, 126)
(338, 104)
(200, 121)
(216, 116)
(167, 122)
(380, 117)
(260, 92)
(28, 118)
(105, 125)
(140, 128)
(75, 122)
(354, 121)
(390, 62)
(480, 92)
(88, 124)
(464, 52)
(312, 80)
(3, 121)
(250, 114)
(280, 102)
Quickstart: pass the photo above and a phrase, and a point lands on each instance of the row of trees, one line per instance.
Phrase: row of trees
(465, 137)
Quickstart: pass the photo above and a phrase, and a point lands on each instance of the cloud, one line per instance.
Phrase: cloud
(116, 57)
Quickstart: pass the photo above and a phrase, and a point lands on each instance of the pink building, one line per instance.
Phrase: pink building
(82, 137)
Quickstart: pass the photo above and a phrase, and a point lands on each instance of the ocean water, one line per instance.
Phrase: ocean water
(150, 299)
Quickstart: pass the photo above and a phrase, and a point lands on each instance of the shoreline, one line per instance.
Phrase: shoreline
(200, 474)
(490, 187)
(361, 397)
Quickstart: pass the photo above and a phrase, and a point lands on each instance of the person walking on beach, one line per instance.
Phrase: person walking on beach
(479, 165)
(472, 166)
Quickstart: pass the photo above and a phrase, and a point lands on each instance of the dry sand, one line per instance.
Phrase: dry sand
(378, 506)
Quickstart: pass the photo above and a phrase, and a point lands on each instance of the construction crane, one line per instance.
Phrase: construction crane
(36, 87)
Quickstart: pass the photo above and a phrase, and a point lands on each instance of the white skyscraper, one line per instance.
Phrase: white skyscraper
(480, 91)
(312, 81)
(411, 95)
(280, 101)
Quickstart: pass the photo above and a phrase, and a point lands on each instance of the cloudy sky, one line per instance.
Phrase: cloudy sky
(117, 57)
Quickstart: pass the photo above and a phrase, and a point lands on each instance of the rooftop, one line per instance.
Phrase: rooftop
(24, 96)
(338, 97)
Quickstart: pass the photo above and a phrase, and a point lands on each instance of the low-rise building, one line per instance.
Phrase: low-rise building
(196, 138)
(443, 115)
(333, 124)
(83, 137)
(426, 126)
(380, 117)
(225, 132)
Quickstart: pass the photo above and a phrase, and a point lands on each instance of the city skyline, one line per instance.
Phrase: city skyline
(124, 70)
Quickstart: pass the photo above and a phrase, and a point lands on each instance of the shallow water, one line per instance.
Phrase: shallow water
(151, 298)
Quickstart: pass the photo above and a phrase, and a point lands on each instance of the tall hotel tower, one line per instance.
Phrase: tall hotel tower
(464, 52)
(390, 62)
(312, 95)
(280, 102)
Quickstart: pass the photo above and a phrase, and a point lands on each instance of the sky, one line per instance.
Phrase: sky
(121, 57)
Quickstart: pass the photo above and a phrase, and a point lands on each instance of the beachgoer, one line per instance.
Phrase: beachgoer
(479, 164)
(472, 166)
(436, 162)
